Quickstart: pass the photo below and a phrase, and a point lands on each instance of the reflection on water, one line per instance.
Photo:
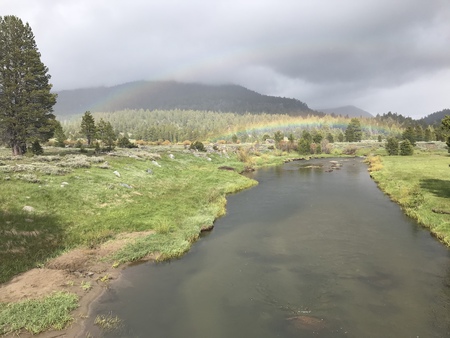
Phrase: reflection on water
(314, 250)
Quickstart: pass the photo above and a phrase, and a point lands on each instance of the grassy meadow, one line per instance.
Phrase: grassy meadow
(420, 184)
(83, 200)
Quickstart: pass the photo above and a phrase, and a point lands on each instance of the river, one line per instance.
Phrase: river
(312, 251)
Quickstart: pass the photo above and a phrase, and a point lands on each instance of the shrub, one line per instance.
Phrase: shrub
(350, 150)
(392, 146)
(124, 142)
(36, 148)
(406, 148)
(197, 145)
(304, 146)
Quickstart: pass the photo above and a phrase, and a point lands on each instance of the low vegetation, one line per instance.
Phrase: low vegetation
(38, 315)
(420, 184)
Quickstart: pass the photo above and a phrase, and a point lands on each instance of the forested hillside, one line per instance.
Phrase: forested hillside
(168, 95)
(435, 118)
(350, 111)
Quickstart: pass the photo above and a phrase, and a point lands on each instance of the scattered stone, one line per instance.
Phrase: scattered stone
(171, 156)
(28, 208)
(126, 186)
(64, 183)
(208, 159)
(116, 173)
(156, 163)
(149, 171)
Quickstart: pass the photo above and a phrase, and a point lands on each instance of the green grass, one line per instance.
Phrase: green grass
(420, 184)
(37, 316)
(85, 205)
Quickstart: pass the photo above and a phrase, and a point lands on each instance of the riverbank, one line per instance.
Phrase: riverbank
(420, 184)
(70, 221)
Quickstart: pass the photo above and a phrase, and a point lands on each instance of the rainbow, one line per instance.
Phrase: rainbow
(299, 124)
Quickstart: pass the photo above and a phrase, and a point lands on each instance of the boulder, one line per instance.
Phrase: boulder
(28, 208)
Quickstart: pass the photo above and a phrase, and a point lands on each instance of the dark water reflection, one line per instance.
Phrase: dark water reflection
(306, 253)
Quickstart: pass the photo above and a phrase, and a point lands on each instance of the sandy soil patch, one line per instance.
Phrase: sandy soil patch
(84, 272)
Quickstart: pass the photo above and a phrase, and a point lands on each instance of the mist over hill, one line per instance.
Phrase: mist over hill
(350, 111)
(167, 95)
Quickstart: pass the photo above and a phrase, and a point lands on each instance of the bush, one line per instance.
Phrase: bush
(406, 148)
(197, 145)
(124, 142)
(304, 146)
(350, 150)
(392, 146)
(36, 148)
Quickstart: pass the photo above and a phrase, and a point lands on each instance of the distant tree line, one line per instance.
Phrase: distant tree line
(180, 125)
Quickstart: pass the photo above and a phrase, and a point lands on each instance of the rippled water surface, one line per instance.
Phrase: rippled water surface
(311, 251)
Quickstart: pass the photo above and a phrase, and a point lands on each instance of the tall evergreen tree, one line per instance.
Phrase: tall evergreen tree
(106, 134)
(59, 135)
(409, 135)
(26, 103)
(88, 127)
(353, 132)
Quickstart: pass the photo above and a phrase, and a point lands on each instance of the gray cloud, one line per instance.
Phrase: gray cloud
(377, 54)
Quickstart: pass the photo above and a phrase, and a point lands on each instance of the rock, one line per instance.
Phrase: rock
(116, 173)
(28, 208)
(149, 171)
(156, 163)
(171, 156)
(308, 323)
(208, 159)
(126, 186)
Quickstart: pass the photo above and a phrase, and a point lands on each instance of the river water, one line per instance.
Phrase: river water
(311, 251)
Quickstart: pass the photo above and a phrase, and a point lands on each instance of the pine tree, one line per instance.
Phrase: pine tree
(26, 103)
(409, 135)
(392, 146)
(353, 132)
(106, 134)
(88, 127)
(406, 148)
(59, 135)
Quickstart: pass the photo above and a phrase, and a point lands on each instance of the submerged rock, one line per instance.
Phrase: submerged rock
(308, 323)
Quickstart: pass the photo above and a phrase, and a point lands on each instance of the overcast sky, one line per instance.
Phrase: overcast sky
(379, 55)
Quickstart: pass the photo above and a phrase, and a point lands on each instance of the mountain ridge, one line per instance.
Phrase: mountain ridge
(168, 95)
(349, 110)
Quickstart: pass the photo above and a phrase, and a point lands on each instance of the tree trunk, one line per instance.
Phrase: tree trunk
(18, 149)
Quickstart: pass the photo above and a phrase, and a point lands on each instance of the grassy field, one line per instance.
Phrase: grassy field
(420, 184)
(77, 199)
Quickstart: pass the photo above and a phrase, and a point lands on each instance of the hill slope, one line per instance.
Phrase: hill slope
(351, 111)
(167, 95)
(435, 118)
